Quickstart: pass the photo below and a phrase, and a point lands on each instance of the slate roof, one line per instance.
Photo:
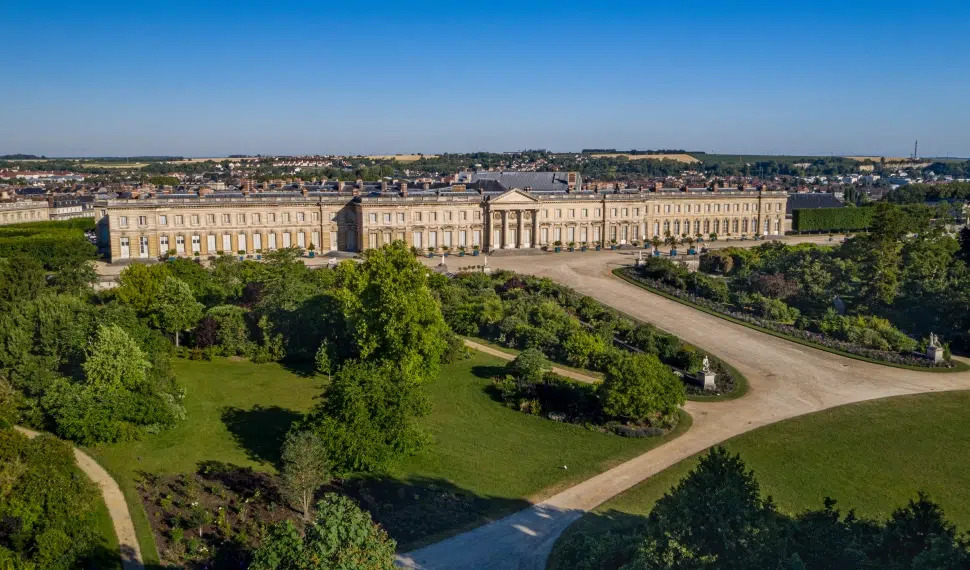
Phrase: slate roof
(811, 200)
(539, 181)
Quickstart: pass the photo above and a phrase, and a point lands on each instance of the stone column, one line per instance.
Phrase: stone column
(520, 229)
(505, 229)
(535, 228)
(487, 230)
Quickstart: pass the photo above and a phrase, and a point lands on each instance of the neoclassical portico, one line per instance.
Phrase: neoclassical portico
(512, 221)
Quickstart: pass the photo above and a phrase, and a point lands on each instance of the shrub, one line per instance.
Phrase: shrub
(529, 366)
(773, 309)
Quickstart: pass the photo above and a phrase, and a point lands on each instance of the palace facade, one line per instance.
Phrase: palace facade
(504, 210)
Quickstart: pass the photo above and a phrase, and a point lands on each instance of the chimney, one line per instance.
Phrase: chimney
(458, 187)
(303, 190)
(383, 186)
(571, 179)
(340, 186)
(426, 185)
(657, 187)
(204, 191)
(616, 186)
(404, 189)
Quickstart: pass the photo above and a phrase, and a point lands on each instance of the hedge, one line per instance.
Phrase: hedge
(54, 244)
(831, 219)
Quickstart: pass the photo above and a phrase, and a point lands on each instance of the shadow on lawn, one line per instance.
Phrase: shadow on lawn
(260, 430)
(421, 510)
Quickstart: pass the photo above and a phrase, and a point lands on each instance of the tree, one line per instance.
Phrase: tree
(140, 285)
(342, 537)
(304, 469)
(528, 366)
(913, 530)
(639, 386)
(175, 309)
(115, 361)
(390, 313)
(714, 517)
(368, 416)
(582, 348)
(322, 360)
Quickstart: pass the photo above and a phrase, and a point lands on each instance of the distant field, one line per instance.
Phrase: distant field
(678, 157)
(401, 157)
(748, 158)
(113, 164)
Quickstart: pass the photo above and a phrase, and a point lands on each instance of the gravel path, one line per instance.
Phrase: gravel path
(506, 356)
(785, 379)
(115, 501)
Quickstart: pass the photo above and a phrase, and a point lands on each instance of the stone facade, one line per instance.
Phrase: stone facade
(24, 211)
(440, 218)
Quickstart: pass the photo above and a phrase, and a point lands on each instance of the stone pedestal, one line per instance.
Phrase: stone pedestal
(934, 353)
(706, 379)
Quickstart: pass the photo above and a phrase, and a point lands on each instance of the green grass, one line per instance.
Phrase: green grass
(109, 558)
(958, 366)
(871, 456)
(211, 388)
(480, 448)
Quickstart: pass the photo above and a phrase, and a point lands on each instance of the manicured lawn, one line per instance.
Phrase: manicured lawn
(485, 459)
(259, 401)
(870, 456)
(109, 557)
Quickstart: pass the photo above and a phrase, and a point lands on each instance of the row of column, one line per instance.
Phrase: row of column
(503, 242)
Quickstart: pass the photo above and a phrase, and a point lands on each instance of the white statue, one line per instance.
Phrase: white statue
(934, 340)
(706, 364)
(484, 260)
(442, 259)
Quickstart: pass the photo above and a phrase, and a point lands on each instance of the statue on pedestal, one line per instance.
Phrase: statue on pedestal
(707, 364)
(934, 341)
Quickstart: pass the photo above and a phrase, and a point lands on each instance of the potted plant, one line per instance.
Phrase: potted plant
(613, 243)
(259, 254)
(461, 251)
(598, 246)
(220, 253)
(312, 250)
(414, 251)
(446, 249)
(430, 251)
(690, 246)
(655, 242)
(572, 246)
(558, 245)
(712, 236)
(475, 249)
(242, 254)
(170, 254)
(583, 246)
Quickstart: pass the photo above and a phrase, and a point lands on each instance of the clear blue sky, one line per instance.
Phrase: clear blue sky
(207, 79)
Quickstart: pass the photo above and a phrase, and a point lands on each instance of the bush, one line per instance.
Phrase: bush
(831, 219)
(773, 309)
(529, 366)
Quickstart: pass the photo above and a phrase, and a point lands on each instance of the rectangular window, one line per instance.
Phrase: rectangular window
(434, 216)
(558, 213)
(301, 239)
(123, 221)
(447, 238)
(372, 240)
(286, 239)
(180, 244)
(315, 240)
(300, 216)
(142, 220)
(162, 245)
(372, 218)
(210, 243)
(271, 217)
(272, 240)
(257, 242)
(257, 219)
(585, 212)
(387, 218)
(226, 243)
(163, 220)
(461, 237)
(286, 219)
(400, 217)
(210, 218)
(179, 220)
(626, 212)
(572, 213)
(432, 239)
(417, 216)
(463, 216)
(448, 216)
(241, 242)
(196, 244)
(613, 212)
(416, 238)
(125, 246)
(226, 219)
(315, 216)
(195, 219)
(240, 218)
(666, 208)
(477, 237)
(477, 216)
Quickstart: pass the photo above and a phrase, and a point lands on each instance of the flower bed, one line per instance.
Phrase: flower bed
(788, 330)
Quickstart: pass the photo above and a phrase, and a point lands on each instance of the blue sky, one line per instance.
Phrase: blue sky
(208, 79)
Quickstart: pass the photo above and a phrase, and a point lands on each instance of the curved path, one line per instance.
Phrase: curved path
(785, 380)
(115, 501)
(555, 369)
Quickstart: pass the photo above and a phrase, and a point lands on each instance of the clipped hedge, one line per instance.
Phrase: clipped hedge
(831, 219)
(54, 244)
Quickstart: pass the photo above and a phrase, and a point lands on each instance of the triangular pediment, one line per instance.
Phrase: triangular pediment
(514, 196)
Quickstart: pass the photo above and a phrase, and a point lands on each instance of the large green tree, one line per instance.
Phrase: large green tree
(115, 361)
(175, 309)
(638, 387)
(304, 469)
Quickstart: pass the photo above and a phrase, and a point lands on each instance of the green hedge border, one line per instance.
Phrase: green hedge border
(958, 366)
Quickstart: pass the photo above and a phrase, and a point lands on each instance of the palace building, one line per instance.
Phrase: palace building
(490, 210)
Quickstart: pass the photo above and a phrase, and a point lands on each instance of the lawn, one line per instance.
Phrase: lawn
(485, 459)
(870, 456)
